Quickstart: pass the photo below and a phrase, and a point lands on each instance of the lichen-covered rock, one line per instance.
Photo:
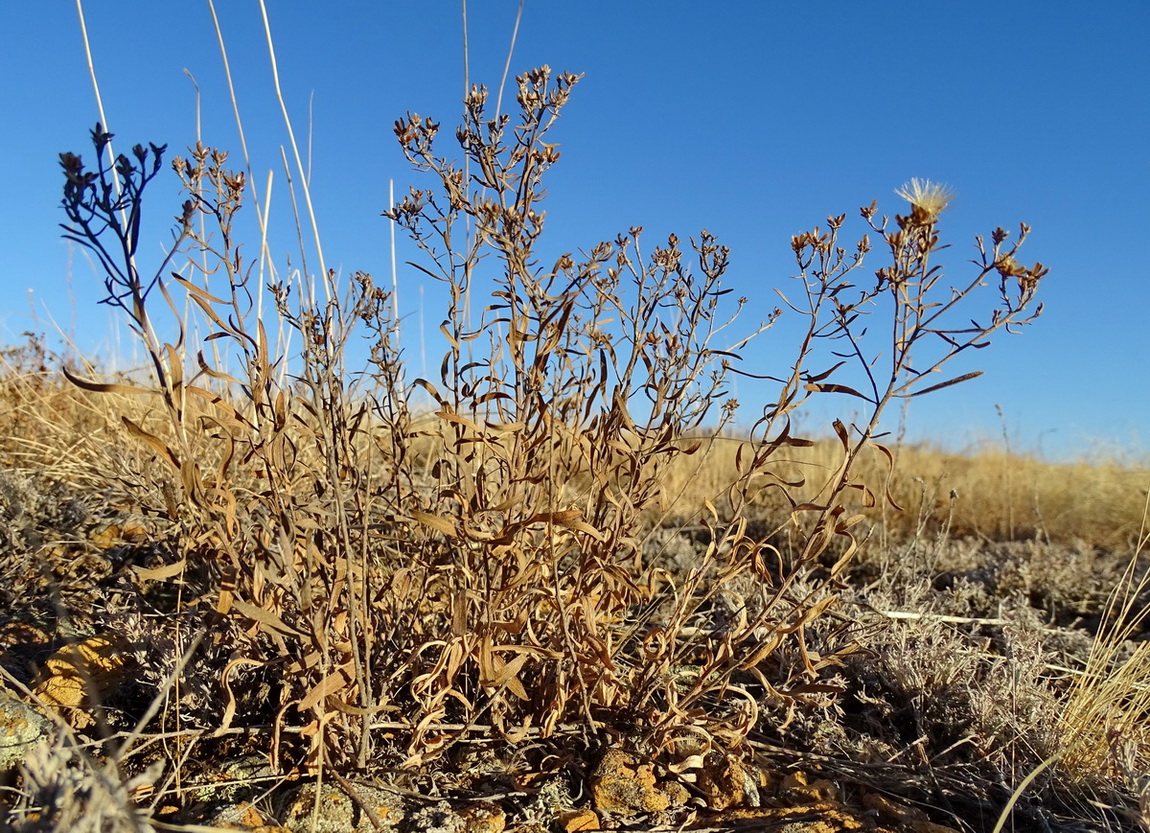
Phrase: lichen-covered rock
(890, 810)
(245, 817)
(578, 821)
(21, 729)
(624, 784)
(799, 787)
(483, 817)
(727, 783)
(817, 818)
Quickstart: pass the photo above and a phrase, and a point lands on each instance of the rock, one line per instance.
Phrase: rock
(576, 821)
(80, 676)
(553, 797)
(889, 810)
(676, 793)
(483, 817)
(22, 728)
(623, 784)
(338, 812)
(799, 788)
(727, 783)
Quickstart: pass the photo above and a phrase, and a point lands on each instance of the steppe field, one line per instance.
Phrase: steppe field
(277, 577)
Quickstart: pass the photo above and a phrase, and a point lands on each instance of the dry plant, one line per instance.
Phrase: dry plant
(1106, 741)
(396, 586)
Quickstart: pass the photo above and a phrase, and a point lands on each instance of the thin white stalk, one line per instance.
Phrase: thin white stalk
(394, 273)
(261, 219)
(295, 151)
(422, 337)
(507, 65)
(96, 89)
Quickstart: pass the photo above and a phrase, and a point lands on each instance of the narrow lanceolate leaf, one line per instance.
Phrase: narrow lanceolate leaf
(868, 497)
(264, 617)
(811, 613)
(963, 378)
(158, 445)
(99, 387)
(711, 508)
(826, 373)
(333, 682)
(160, 573)
(890, 471)
(436, 522)
(212, 372)
(229, 416)
(197, 291)
(507, 673)
(570, 519)
(586, 529)
(230, 708)
(448, 416)
(764, 650)
(841, 431)
(831, 387)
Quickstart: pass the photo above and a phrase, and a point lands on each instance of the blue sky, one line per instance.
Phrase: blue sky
(753, 120)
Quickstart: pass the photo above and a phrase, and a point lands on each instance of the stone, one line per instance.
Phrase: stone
(245, 817)
(624, 784)
(727, 783)
(676, 793)
(576, 821)
(799, 787)
(893, 811)
(818, 818)
(79, 676)
(22, 728)
(483, 817)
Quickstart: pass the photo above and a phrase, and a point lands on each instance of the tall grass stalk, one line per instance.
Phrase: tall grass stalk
(1103, 727)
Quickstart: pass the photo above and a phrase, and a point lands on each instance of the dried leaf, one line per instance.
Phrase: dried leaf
(333, 682)
(264, 617)
(830, 387)
(160, 573)
(436, 522)
(974, 374)
(158, 445)
(841, 432)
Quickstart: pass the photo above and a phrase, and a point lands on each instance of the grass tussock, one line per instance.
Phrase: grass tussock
(307, 556)
(1104, 722)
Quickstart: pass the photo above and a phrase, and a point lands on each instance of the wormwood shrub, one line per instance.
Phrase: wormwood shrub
(381, 586)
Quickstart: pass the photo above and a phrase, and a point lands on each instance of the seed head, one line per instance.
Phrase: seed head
(928, 197)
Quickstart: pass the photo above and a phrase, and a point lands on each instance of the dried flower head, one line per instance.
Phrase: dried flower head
(928, 197)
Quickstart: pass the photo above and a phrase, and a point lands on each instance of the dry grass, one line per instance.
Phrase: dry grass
(987, 494)
(1104, 723)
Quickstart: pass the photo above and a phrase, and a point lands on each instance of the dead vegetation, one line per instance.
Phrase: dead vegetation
(572, 552)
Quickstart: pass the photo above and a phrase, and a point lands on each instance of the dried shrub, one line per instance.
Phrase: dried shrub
(412, 582)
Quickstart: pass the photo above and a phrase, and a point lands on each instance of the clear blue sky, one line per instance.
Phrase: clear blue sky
(754, 120)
